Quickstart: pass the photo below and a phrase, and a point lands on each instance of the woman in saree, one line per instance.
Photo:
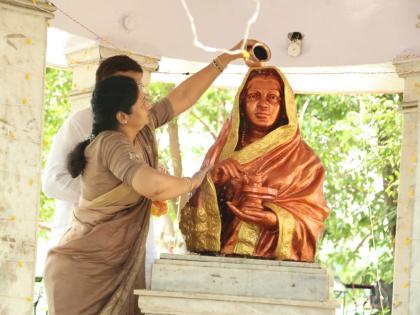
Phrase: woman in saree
(264, 197)
(98, 262)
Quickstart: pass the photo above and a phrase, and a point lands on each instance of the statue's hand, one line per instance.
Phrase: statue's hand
(265, 219)
(225, 171)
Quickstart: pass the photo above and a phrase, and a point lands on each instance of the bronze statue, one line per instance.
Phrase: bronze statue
(264, 197)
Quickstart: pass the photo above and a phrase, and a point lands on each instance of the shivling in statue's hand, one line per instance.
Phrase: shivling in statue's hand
(265, 219)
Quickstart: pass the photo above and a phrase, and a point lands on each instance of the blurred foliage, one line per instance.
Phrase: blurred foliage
(57, 109)
(358, 139)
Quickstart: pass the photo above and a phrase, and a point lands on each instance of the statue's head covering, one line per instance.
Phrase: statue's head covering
(284, 129)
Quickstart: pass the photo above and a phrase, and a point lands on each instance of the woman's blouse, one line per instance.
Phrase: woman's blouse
(112, 159)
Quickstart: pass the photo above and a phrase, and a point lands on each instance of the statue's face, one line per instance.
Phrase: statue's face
(263, 102)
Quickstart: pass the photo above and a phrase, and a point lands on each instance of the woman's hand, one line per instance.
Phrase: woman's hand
(198, 177)
(265, 219)
(227, 58)
(225, 171)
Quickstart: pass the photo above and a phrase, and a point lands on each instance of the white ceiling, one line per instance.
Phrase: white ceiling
(336, 32)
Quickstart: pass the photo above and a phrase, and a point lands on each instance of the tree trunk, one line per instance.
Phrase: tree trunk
(175, 151)
(174, 147)
(176, 160)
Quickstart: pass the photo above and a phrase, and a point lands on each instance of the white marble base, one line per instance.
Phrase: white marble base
(176, 303)
(195, 284)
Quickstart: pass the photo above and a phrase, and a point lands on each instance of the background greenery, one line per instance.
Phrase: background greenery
(57, 108)
(358, 139)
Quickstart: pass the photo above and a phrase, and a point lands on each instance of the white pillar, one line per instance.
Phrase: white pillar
(23, 34)
(84, 63)
(407, 243)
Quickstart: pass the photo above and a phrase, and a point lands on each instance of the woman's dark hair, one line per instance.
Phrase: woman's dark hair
(265, 72)
(110, 96)
(114, 64)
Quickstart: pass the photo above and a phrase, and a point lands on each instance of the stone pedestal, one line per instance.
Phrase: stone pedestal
(194, 284)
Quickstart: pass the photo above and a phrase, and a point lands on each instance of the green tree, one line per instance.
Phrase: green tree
(358, 139)
(57, 109)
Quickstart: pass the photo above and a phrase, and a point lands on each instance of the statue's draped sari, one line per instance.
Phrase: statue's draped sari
(285, 163)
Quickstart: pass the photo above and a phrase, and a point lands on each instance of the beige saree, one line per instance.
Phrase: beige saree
(100, 260)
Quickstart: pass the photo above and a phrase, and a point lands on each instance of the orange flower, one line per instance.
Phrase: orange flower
(159, 208)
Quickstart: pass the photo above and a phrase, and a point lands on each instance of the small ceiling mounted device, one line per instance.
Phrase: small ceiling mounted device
(418, 23)
(295, 44)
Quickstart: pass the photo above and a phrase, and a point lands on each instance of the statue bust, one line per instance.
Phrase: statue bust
(264, 196)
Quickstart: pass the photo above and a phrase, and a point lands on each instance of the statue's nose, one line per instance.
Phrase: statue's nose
(263, 102)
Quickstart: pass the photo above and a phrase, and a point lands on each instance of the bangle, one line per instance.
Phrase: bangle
(214, 63)
(219, 62)
(190, 183)
(218, 65)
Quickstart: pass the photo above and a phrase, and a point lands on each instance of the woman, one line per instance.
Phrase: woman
(264, 197)
(96, 264)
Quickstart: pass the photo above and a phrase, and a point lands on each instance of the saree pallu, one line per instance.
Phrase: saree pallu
(100, 260)
(287, 164)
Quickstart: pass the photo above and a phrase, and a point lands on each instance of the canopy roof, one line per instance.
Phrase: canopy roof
(336, 33)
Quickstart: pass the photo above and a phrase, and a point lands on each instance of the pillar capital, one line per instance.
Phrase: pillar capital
(408, 65)
(408, 68)
(42, 7)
